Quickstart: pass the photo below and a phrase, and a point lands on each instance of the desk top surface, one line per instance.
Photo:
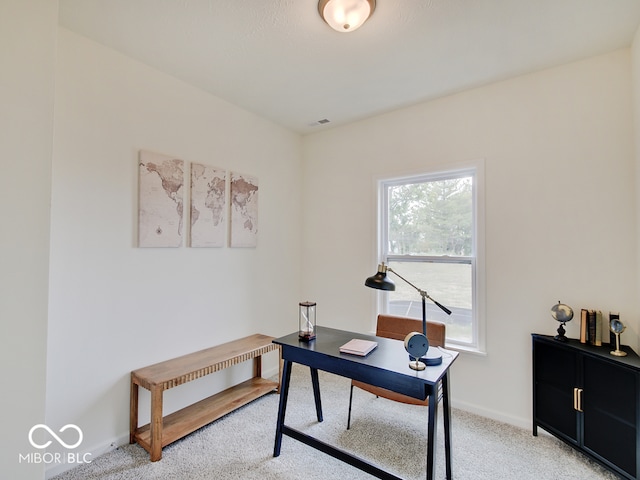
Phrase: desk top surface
(389, 356)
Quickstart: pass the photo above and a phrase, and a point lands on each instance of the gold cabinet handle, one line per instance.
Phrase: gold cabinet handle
(580, 391)
(577, 399)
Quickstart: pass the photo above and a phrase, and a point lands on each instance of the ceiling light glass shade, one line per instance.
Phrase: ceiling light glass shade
(346, 15)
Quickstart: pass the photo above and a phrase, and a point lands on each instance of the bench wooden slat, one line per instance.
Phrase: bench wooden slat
(198, 364)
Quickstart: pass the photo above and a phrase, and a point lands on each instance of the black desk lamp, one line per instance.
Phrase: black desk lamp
(380, 281)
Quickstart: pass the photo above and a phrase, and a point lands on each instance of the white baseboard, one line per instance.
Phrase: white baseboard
(493, 414)
(271, 372)
(54, 469)
(86, 456)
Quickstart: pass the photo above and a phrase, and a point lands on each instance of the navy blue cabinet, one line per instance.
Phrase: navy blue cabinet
(589, 399)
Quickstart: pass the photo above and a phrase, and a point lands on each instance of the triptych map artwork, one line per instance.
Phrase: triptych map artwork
(161, 211)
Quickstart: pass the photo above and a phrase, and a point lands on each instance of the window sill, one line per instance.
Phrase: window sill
(463, 349)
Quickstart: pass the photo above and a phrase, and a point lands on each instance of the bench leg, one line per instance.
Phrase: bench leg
(133, 412)
(257, 366)
(156, 423)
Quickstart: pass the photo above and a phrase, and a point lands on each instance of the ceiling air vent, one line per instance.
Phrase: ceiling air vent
(320, 122)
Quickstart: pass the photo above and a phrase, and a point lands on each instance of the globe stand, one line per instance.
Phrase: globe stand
(617, 327)
(617, 352)
(561, 331)
(562, 314)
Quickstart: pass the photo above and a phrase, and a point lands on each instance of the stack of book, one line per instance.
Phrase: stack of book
(593, 328)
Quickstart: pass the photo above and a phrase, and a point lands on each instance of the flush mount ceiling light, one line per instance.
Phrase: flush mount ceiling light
(346, 15)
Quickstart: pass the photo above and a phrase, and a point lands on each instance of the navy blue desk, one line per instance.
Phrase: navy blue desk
(387, 366)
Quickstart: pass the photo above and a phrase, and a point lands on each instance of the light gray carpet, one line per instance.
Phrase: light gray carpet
(240, 445)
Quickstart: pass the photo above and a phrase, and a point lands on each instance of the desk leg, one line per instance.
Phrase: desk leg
(316, 392)
(447, 423)
(156, 423)
(282, 408)
(279, 369)
(431, 432)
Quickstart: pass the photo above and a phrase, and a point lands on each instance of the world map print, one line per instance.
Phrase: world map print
(161, 200)
(208, 206)
(244, 210)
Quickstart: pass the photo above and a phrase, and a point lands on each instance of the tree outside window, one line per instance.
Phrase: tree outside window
(428, 232)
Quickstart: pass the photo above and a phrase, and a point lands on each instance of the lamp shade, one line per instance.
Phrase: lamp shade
(346, 15)
(380, 281)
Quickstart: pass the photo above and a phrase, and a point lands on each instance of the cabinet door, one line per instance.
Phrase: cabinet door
(555, 375)
(610, 419)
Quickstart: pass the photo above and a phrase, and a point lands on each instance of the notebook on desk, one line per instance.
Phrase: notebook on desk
(358, 346)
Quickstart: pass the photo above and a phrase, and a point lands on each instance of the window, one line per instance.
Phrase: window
(429, 234)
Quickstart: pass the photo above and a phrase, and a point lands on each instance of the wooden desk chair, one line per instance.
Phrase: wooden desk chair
(391, 326)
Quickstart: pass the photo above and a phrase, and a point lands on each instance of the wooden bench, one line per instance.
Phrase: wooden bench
(157, 378)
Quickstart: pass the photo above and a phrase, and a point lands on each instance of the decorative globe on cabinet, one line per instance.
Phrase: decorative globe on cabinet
(617, 327)
(563, 314)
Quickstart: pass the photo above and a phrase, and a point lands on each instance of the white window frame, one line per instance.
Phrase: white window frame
(476, 170)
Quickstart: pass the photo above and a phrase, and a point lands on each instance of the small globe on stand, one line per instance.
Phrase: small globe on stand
(561, 313)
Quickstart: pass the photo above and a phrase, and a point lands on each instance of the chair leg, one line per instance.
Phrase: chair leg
(350, 400)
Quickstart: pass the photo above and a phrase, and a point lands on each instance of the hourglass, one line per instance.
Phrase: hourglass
(307, 321)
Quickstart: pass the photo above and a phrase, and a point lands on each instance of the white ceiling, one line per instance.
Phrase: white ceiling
(278, 59)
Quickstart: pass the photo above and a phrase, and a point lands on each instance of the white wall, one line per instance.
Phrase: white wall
(635, 91)
(560, 211)
(27, 58)
(115, 307)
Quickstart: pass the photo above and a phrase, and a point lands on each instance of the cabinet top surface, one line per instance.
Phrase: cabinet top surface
(631, 360)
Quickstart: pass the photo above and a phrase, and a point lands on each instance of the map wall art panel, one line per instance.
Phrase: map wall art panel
(244, 210)
(161, 200)
(208, 206)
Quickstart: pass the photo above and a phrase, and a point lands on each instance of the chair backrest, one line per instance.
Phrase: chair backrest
(396, 327)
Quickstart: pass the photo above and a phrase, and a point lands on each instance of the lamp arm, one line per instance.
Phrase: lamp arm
(421, 292)
(389, 269)
(442, 307)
